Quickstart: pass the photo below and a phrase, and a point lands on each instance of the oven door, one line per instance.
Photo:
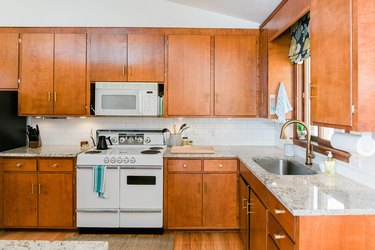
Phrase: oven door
(118, 102)
(141, 197)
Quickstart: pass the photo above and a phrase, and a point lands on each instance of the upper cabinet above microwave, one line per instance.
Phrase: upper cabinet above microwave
(121, 57)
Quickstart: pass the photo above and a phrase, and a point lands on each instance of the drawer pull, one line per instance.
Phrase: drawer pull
(18, 165)
(55, 165)
(32, 188)
(244, 202)
(39, 188)
(220, 165)
(278, 211)
(279, 236)
(184, 166)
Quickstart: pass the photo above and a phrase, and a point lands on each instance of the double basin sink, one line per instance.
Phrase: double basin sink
(284, 167)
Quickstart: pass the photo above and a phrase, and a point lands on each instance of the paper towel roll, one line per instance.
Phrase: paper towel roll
(363, 145)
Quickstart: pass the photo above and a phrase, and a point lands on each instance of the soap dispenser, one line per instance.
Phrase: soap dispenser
(330, 165)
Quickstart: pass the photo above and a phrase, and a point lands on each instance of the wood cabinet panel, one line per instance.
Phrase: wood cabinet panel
(53, 165)
(108, 61)
(70, 74)
(19, 164)
(9, 60)
(220, 201)
(259, 189)
(271, 245)
(244, 222)
(185, 165)
(20, 199)
(278, 235)
(236, 75)
(331, 79)
(263, 73)
(146, 58)
(258, 223)
(184, 200)
(220, 165)
(36, 88)
(189, 79)
(55, 200)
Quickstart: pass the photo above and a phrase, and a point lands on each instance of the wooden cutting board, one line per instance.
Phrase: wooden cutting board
(192, 150)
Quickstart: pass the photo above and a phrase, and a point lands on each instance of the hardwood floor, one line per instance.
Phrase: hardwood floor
(183, 240)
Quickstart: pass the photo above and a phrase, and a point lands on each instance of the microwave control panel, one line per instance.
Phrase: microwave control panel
(150, 102)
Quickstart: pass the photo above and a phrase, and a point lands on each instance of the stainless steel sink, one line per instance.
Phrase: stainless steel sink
(285, 167)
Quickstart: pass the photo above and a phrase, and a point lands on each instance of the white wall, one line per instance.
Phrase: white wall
(203, 131)
(112, 13)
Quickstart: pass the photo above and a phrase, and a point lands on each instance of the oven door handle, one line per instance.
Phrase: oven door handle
(97, 211)
(135, 210)
(89, 167)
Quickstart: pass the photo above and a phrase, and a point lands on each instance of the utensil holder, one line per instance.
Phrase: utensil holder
(34, 144)
(175, 140)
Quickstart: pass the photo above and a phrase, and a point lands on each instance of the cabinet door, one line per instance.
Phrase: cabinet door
(108, 57)
(70, 74)
(9, 60)
(258, 223)
(20, 199)
(55, 200)
(236, 75)
(263, 73)
(146, 58)
(184, 200)
(36, 88)
(189, 85)
(331, 78)
(243, 215)
(220, 201)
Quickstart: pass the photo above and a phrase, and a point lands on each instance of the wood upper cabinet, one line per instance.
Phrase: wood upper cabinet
(55, 199)
(184, 200)
(20, 199)
(9, 60)
(342, 93)
(236, 75)
(146, 58)
(133, 58)
(258, 223)
(108, 60)
(189, 80)
(53, 74)
(220, 208)
(263, 73)
(36, 87)
(70, 74)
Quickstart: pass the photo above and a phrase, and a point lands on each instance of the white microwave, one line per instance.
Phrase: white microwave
(126, 99)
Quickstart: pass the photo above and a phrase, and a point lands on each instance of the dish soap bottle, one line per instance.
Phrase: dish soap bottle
(330, 165)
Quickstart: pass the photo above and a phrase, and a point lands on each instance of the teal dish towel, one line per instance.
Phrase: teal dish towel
(99, 180)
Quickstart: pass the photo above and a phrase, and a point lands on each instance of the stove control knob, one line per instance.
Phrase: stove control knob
(139, 139)
(126, 160)
(113, 160)
(122, 139)
(147, 140)
(119, 160)
(131, 139)
(132, 160)
(106, 160)
(114, 140)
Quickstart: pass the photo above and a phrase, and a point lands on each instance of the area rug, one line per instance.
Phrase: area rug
(130, 242)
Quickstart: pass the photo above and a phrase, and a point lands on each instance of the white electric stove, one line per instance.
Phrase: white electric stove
(133, 182)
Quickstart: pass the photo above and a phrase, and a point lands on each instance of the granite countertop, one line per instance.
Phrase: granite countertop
(306, 195)
(52, 245)
(44, 151)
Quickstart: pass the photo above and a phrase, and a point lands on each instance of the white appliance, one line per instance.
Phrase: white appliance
(133, 182)
(126, 99)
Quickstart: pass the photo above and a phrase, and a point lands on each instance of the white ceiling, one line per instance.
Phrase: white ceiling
(252, 10)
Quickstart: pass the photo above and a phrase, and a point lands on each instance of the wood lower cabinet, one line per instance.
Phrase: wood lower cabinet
(201, 200)
(258, 223)
(38, 197)
(236, 75)
(244, 222)
(52, 74)
(189, 77)
(9, 60)
(20, 192)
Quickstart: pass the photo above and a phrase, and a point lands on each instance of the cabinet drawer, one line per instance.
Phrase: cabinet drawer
(19, 164)
(282, 215)
(278, 235)
(220, 165)
(55, 165)
(259, 188)
(185, 165)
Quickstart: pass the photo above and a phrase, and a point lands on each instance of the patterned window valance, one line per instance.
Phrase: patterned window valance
(300, 45)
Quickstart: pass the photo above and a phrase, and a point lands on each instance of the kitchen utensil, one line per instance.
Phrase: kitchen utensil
(185, 128)
(102, 143)
(174, 129)
(92, 138)
(181, 128)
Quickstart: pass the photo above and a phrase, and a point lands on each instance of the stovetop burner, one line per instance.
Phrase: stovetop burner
(93, 152)
(150, 152)
(156, 148)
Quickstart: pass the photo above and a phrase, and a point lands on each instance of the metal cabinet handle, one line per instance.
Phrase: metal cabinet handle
(123, 69)
(184, 166)
(39, 188)
(205, 187)
(18, 165)
(55, 165)
(129, 70)
(55, 96)
(32, 188)
(49, 96)
(220, 165)
(244, 202)
(278, 211)
(278, 236)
